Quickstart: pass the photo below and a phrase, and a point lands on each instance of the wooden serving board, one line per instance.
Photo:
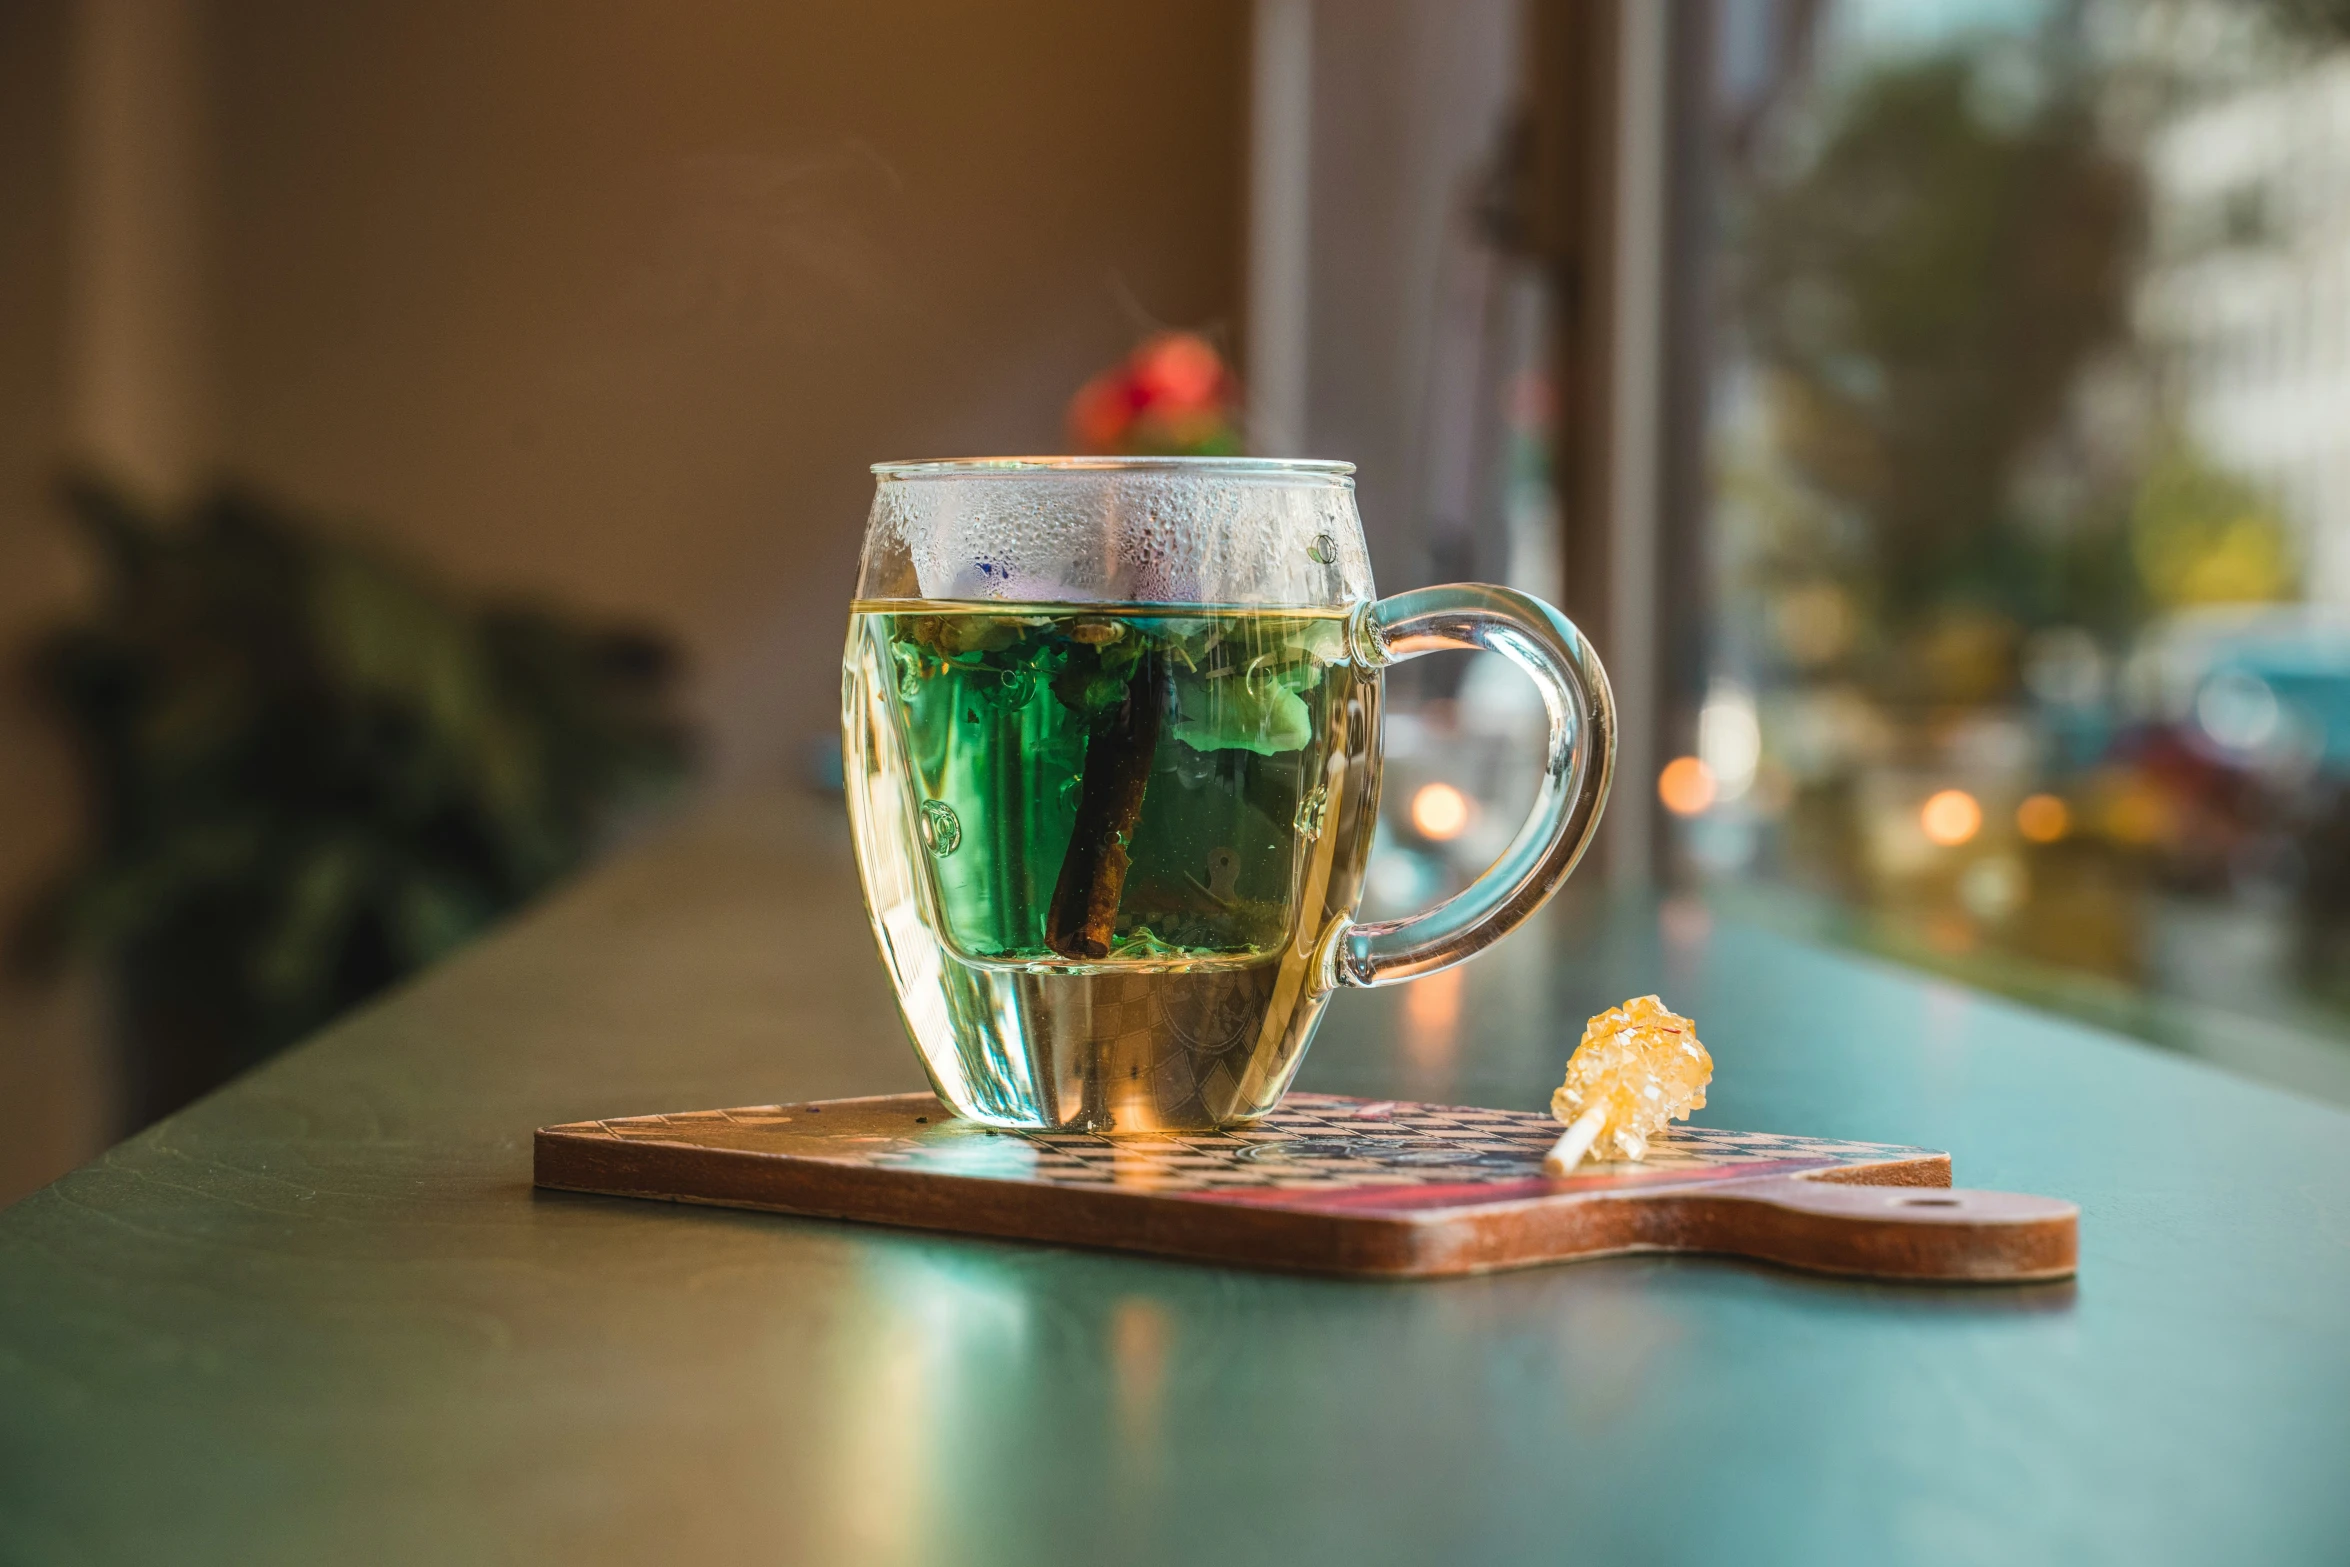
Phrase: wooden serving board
(1332, 1185)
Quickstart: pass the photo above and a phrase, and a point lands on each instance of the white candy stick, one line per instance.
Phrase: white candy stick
(1569, 1150)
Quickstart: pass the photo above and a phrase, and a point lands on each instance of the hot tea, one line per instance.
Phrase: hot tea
(1054, 801)
(1110, 727)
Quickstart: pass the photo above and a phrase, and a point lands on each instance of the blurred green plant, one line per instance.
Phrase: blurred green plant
(311, 770)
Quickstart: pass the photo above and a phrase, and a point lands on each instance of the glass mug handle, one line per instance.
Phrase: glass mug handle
(1579, 760)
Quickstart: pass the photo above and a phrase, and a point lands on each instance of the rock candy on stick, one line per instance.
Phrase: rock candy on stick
(1639, 1066)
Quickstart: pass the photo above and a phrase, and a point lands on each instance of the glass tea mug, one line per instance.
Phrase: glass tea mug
(1112, 747)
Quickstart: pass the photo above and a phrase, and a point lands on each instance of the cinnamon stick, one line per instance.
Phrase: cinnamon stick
(1118, 752)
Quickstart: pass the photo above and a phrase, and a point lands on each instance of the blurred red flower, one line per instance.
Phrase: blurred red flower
(1172, 396)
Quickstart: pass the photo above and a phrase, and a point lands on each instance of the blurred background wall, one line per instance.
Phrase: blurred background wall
(1416, 95)
(623, 307)
(51, 1078)
(611, 303)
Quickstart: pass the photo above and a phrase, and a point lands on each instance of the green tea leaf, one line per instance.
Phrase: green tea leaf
(1260, 710)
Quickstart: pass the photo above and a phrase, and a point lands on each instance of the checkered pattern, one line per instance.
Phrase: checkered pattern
(1314, 1142)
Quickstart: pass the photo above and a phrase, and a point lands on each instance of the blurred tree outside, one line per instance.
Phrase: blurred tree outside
(1924, 296)
(311, 770)
(2200, 535)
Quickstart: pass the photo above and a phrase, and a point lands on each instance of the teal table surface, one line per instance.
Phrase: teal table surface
(323, 1317)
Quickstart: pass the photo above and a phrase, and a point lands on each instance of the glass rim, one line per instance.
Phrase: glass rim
(1008, 467)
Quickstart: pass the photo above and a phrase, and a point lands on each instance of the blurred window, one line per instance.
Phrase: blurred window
(2029, 534)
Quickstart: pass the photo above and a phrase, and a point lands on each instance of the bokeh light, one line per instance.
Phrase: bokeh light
(1432, 1019)
(1729, 740)
(2043, 818)
(1440, 811)
(1686, 786)
(1951, 817)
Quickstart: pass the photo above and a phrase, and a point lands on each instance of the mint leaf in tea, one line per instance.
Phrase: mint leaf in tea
(1101, 845)
(1118, 785)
